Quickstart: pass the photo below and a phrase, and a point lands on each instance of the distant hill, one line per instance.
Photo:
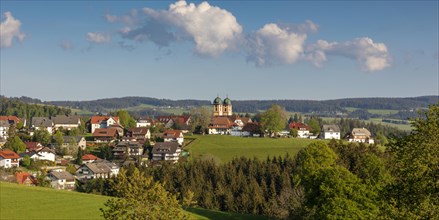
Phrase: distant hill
(250, 106)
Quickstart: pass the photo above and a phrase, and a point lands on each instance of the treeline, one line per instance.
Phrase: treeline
(24, 110)
(377, 130)
(252, 106)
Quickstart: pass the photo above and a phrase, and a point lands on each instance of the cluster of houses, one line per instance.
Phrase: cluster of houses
(130, 145)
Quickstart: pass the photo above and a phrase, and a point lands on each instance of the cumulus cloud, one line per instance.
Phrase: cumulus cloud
(272, 44)
(214, 30)
(372, 56)
(97, 37)
(10, 29)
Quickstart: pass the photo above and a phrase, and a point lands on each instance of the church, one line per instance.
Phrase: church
(222, 108)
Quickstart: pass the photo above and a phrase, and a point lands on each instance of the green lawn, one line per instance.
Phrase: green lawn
(225, 148)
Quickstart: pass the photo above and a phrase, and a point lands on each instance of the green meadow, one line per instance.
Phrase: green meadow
(224, 148)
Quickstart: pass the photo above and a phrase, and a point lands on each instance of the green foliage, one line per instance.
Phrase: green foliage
(15, 144)
(415, 167)
(42, 136)
(314, 157)
(125, 119)
(293, 132)
(200, 119)
(314, 124)
(25, 110)
(140, 198)
(26, 161)
(58, 137)
(274, 119)
(79, 156)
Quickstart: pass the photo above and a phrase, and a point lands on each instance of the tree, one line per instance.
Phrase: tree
(313, 122)
(200, 119)
(79, 156)
(140, 198)
(26, 161)
(42, 136)
(125, 119)
(274, 119)
(15, 144)
(293, 132)
(58, 138)
(415, 165)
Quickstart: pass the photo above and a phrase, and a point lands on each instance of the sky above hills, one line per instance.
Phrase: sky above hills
(68, 50)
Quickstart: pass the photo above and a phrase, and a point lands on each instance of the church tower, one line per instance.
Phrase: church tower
(227, 107)
(217, 107)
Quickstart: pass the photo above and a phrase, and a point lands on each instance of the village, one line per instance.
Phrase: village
(64, 160)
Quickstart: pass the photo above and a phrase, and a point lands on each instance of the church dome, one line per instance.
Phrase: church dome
(227, 101)
(217, 101)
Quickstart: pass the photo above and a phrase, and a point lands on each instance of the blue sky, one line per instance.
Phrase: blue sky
(244, 49)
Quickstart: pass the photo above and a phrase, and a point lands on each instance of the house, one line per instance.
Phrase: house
(303, 130)
(220, 125)
(42, 123)
(126, 149)
(9, 159)
(181, 121)
(119, 128)
(361, 135)
(101, 122)
(66, 122)
(61, 180)
(330, 132)
(105, 135)
(173, 136)
(163, 151)
(78, 141)
(98, 169)
(139, 133)
(26, 179)
(44, 153)
(33, 146)
(6, 122)
(89, 158)
(143, 122)
(252, 129)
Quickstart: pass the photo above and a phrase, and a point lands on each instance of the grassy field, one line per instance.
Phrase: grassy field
(404, 127)
(23, 202)
(225, 148)
(375, 111)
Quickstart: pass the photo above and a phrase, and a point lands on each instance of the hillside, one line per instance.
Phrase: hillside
(147, 105)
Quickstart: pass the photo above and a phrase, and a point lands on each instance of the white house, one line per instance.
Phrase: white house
(360, 135)
(66, 122)
(9, 159)
(173, 136)
(163, 151)
(42, 123)
(98, 169)
(6, 122)
(61, 180)
(330, 132)
(4, 128)
(102, 122)
(44, 153)
(303, 130)
(143, 122)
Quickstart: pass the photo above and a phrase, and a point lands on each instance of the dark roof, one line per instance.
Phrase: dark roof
(46, 149)
(98, 167)
(63, 119)
(62, 175)
(331, 128)
(42, 122)
(68, 139)
(253, 127)
(165, 148)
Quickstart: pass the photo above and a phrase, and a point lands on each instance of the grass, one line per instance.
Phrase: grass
(375, 111)
(404, 127)
(225, 148)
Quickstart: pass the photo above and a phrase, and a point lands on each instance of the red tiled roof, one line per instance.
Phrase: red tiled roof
(172, 134)
(89, 157)
(23, 176)
(33, 146)
(299, 126)
(105, 132)
(8, 154)
(10, 118)
(180, 119)
(99, 119)
(220, 122)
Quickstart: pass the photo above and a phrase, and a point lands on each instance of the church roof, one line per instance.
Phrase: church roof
(217, 101)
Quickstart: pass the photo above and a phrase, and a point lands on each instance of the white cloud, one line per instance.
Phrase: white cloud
(66, 45)
(272, 44)
(214, 30)
(10, 29)
(111, 18)
(97, 37)
(371, 56)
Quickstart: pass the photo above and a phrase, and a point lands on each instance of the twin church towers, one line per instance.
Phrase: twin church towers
(222, 108)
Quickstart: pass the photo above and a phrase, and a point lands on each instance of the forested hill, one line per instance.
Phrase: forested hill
(250, 106)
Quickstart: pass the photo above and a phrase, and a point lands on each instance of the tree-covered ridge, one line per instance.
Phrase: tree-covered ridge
(25, 110)
(252, 106)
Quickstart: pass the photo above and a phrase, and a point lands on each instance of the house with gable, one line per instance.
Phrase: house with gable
(89, 158)
(33, 146)
(330, 132)
(143, 122)
(6, 122)
(98, 121)
(42, 123)
(126, 149)
(97, 169)
(166, 151)
(139, 133)
(61, 180)
(105, 135)
(44, 153)
(182, 121)
(360, 135)
(9, 159)
(66, 122)
(220, 125)
(74, 141)
(26, 179)
(173, 136)
(303, 130)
